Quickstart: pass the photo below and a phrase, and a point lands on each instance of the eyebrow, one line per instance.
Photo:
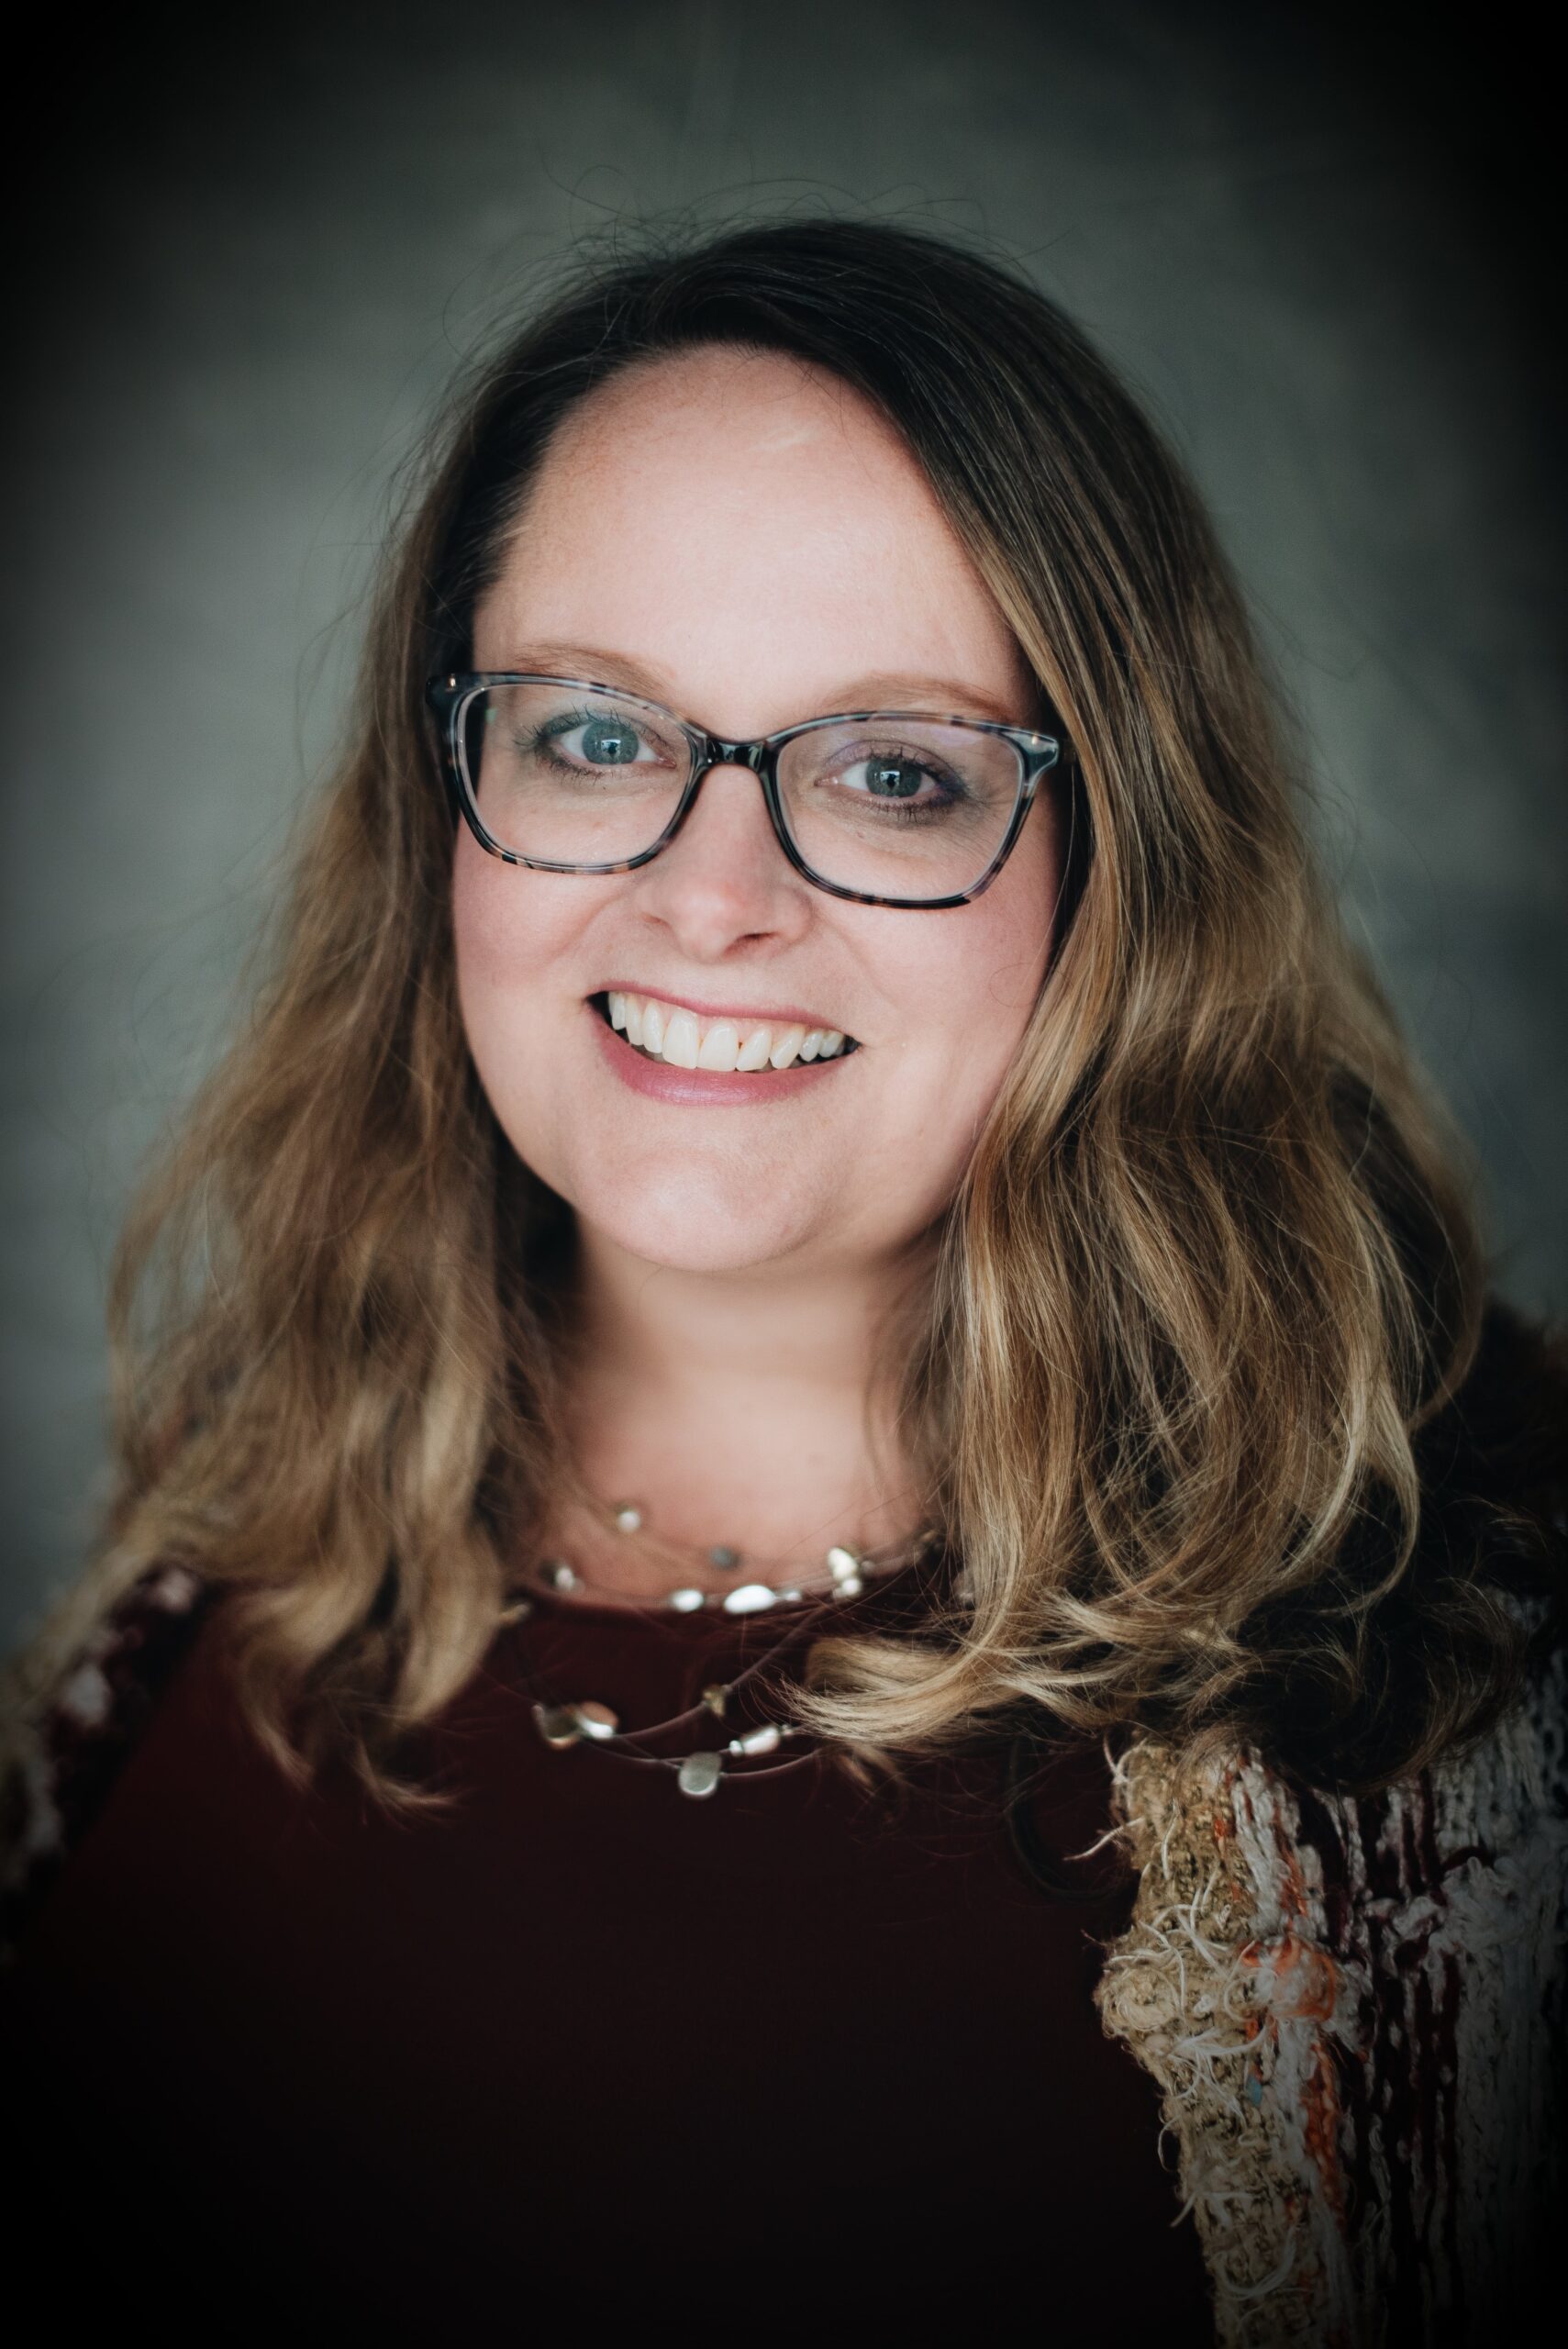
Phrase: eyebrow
(883, 689)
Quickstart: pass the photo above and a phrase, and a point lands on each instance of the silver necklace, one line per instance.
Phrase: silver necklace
(849, 1570)
(588, 1722)
(698, 1773)
(593, 1723)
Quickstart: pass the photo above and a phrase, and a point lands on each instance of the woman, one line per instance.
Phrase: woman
(822, 1548)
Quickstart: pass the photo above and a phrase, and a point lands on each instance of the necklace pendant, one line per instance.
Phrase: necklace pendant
(844, 1564)
(593, 1719)
(699, 1774)
(766, 1740)
(751, 1599)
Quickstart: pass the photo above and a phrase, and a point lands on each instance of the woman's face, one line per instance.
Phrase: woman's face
(743, 539)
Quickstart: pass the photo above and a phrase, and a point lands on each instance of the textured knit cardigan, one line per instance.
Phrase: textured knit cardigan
(1355, 2012)
(1354, 2009)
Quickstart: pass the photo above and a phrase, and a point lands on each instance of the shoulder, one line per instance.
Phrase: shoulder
(1353, 2005)
(75, 1705)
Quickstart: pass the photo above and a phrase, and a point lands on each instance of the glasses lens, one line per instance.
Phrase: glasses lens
(907, 807)
(564, 775)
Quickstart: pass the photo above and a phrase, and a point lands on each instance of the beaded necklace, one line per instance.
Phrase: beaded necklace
(587, 1722)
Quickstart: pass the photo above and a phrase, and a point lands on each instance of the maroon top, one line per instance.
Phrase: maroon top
(581, 2043)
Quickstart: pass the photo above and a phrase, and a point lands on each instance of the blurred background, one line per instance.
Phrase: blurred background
(241, 275)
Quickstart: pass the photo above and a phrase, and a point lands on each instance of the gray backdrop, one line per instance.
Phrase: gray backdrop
(249, 273)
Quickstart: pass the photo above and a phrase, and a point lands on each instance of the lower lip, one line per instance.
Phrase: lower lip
(705, 1088)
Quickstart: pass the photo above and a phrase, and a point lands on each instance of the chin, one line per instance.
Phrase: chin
(691, 1226)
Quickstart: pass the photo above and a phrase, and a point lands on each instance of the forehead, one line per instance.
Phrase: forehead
(749, 526)
(733, 414)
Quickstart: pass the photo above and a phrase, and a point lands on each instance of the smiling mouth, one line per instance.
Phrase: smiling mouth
(669, 1033)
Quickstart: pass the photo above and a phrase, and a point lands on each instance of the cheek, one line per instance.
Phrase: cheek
(516, 933)
(982, 974)
(494, 947)
(971, 988)
(505, 942)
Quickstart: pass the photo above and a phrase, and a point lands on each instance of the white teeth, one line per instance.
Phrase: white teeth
(678, 1037)
(681, 1039)
(721, 1046)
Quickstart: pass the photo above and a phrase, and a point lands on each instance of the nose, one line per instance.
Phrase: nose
(723, 878)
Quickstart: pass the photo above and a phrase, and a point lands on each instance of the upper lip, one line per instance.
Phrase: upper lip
(789, 1014)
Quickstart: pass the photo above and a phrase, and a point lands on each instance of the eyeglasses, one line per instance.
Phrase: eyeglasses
(886, 807)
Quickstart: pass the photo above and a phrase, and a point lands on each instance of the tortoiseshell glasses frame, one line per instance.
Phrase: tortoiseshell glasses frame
(452, 694)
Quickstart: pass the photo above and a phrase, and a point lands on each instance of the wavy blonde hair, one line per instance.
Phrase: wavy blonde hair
(1206, 1279)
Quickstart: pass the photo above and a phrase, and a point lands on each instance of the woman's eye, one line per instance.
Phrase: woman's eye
(887, 777)
(599, 741)
(892, 778)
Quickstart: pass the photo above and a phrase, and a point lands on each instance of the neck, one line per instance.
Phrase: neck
(740, 1408)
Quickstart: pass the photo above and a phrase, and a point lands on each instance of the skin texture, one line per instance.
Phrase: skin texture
(742, 538)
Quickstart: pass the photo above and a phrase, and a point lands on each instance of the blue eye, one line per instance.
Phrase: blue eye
(609, 743)
(903, 782)
(602, 748)
(890, 778)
